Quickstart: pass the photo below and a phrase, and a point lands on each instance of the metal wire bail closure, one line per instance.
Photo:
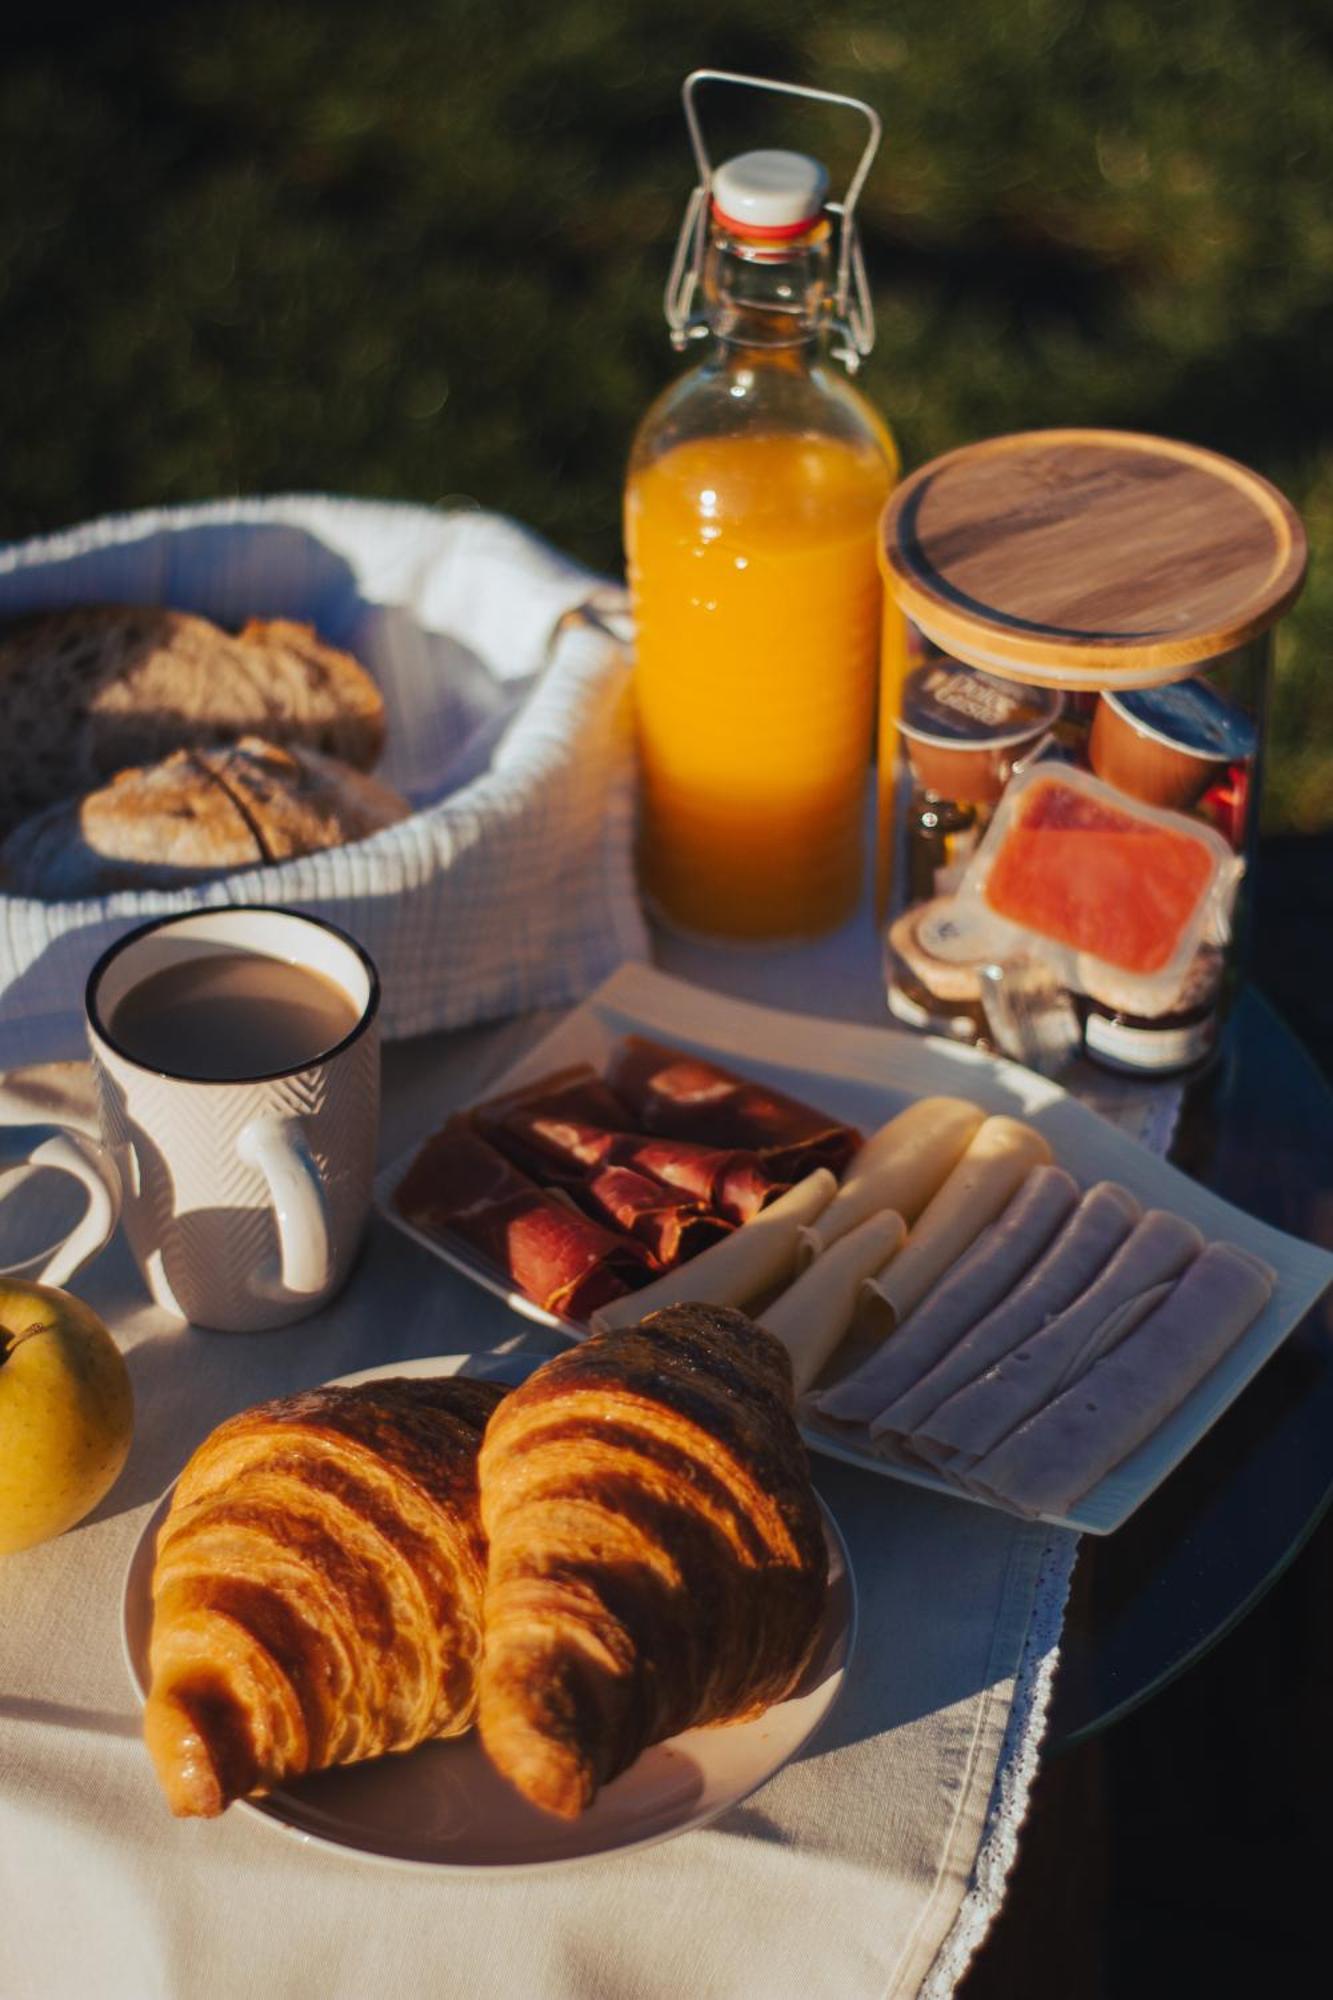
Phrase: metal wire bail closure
(853, 313)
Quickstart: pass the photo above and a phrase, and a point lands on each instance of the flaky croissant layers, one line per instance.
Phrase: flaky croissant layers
(318, 1587)
(657, 1561)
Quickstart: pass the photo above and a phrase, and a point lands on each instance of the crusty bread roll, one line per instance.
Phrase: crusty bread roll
(88, 691)
(196, 814)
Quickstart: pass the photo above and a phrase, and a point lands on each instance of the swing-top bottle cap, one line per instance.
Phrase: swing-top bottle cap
(769, 195)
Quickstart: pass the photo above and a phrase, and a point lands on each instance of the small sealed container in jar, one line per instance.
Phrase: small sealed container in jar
(1097, 859)
(964, 734)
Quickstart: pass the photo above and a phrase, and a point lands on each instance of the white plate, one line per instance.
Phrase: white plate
(865, 1075)
(444, 1806)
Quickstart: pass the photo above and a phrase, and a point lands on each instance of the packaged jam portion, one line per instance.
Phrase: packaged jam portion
(1132, 583)
(1098, 886)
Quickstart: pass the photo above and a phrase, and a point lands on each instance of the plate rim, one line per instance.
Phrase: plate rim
(426, 1366)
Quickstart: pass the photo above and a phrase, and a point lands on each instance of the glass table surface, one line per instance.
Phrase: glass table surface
(1150, 1600)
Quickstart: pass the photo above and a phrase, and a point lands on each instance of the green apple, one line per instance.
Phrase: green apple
(66, 1412)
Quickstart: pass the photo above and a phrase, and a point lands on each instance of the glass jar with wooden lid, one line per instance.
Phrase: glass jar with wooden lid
(1140, 579)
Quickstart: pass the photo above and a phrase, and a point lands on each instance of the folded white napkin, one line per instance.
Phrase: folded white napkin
(511, 887)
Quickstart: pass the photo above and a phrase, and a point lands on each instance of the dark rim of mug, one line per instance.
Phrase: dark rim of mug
(113, 951)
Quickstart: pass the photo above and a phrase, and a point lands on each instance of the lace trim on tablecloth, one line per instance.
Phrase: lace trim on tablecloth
(1017, 1768)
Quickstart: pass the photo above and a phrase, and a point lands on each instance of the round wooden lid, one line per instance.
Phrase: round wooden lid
(1090, 558)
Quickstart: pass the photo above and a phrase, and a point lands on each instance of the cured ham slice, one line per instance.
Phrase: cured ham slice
(1096, 1229)
(559, 1128)
(461, 1188)
(673, 1226)
(1002, 1255)
(746, 1265)
(685, 1097)
(565, 1128)
(1054, 1458)
(736, 1184)
(974, 1419)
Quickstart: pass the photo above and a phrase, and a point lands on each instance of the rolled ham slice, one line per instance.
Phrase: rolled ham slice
(1003, 1253)
(1050, 1461)
(974, 1419)
(461, 1189)
(751, 1261)
(673, 1226)
(737, 1185)
(685, 1097)
(565, 1128)
(1093, 1233)
(999, 1157)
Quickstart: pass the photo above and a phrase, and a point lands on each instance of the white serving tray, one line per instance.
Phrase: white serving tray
(865, 1075)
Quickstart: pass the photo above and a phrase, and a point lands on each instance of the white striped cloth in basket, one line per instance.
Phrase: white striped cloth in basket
(511, 886)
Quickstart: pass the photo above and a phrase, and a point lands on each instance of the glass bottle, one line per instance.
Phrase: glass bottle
(755, 486)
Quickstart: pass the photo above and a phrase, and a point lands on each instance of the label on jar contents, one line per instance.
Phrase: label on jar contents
(1149, 1048)
(950, 704)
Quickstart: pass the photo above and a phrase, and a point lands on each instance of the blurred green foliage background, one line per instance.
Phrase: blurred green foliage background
(420, 251)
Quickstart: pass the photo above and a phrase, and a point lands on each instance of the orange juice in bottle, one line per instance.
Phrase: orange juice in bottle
(755, 486)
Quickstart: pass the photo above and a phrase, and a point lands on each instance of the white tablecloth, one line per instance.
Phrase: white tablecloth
(868, 1868)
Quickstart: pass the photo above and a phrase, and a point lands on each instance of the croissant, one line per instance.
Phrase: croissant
(317, 1591)
(657, 1558)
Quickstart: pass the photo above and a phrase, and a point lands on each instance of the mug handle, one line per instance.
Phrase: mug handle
(73, 1153)
(278, 1147)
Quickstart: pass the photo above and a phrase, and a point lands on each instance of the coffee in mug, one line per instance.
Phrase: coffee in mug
(232, 1015)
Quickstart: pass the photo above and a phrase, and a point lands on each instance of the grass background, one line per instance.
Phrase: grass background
(419, 251)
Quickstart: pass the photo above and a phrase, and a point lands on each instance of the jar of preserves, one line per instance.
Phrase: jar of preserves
(1137, 580)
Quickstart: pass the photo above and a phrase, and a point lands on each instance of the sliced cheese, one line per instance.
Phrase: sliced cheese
(811, 1317)
(1002, 1154)
(869, 1194)
(915, 1152)
(757, 1257)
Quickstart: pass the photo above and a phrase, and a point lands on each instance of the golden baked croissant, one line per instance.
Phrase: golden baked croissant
(657, 1558)
(318, 1585)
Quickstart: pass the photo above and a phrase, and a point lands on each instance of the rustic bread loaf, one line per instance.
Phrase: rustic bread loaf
(88, 691)
(197, 814)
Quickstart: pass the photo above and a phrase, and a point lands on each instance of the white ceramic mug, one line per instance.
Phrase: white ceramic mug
(244, 1201)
